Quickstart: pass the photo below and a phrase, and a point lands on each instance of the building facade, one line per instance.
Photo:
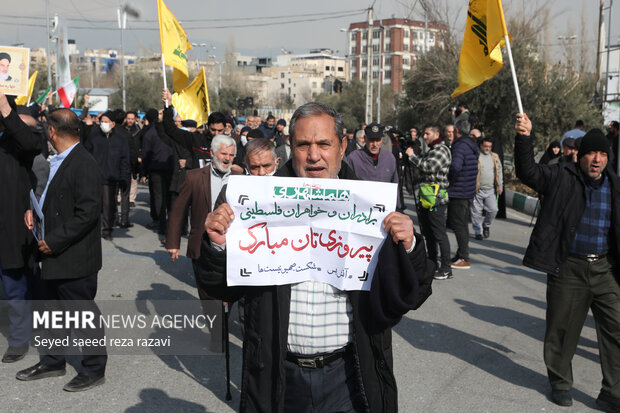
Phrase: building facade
(396, 44)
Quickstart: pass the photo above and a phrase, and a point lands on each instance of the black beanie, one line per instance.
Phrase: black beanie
(594, 140)
(151, 115)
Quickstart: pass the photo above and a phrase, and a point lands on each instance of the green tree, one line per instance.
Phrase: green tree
(142, 91)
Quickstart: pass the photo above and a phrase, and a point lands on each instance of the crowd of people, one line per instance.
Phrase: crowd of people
(84, 171)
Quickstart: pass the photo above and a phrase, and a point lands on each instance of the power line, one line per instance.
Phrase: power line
(228, 26)
(222, 19)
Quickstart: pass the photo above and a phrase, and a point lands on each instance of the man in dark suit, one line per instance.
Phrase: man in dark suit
(71, 250)
(19, 144)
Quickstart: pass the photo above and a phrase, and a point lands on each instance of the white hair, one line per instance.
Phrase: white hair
(219, 140)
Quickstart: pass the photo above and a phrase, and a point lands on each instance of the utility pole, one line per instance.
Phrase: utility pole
(122, 22)
(611, 3)
(368, 117)
(49, 57)
(380, 70)
(598, 48)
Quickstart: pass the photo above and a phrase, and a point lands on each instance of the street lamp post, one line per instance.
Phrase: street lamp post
(381, 27)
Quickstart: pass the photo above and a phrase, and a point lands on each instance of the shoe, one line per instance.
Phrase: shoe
(82, 382)
(455, 258)
(562, 397)
(132, 204)
(486, 232)
(462, 264)
(107, 237)
(14, 354)
(608, 403)
(40, 371)
(479, 237)
(126, 225)
(443, 275)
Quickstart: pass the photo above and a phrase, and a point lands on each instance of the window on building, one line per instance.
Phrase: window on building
(415, 48)
(376, 34)
(364, 35)
(364, 62)
(375, 61)
(415, 35)
(387, 46)
(327, 68)
(314, 85)
(375, 75)
(406, 61)
(289, 81)
(387, 34)
(340, 69)
(365, 49)
(406, 33)
(281, 75)
(353, 36)
(388, 74)
(375, 48)
(294, 84)
(281, 85)
(406, 47)
(388, 61)
(353, 50)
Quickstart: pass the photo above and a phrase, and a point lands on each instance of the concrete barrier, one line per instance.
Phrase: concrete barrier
(522, 203)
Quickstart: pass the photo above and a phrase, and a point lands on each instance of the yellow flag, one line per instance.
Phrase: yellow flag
(481, 53)
(174, 45)
(23, 100)
(193, 101)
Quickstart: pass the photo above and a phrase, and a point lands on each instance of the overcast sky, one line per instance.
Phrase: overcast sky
(256, 27)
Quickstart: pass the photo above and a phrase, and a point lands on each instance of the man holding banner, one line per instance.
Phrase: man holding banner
(310, 343)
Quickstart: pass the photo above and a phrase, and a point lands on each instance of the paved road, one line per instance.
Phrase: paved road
(474, 346)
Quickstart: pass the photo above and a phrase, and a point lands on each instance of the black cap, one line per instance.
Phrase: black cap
(594, 140)
(282, 122)
(151, 115)
(569, 142)
(4, 55)
(189, 123)
(374, 131)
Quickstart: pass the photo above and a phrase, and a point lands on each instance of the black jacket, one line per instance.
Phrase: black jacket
(156, 155)
(72, 209)
(19, 144)
(111, 154)
(199, 144)
(401, 283)
(563, 187)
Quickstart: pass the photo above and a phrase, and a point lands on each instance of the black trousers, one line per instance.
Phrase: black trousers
(458, 220)
(124, 203)
(76, 294)
(433, 227)
(332, 388)
(159, 184)
(109, 207)
(583, 285)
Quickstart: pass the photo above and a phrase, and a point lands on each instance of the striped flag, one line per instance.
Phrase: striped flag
(67, 92)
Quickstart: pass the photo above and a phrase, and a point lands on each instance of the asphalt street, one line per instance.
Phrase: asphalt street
(474, 346)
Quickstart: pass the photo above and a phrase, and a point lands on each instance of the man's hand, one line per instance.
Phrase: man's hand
(28, 220)
(218, 222)
(166, 96)
(400, 228)
(236, 170)
(86, 100)
(523, 125)
(143, 180)
(44, 248)
(5, 108)
(409, 151)
(174, 253)
(501, 190)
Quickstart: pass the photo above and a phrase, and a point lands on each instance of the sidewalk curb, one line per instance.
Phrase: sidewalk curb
(522, 203)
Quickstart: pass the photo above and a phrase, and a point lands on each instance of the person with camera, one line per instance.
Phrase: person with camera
(432, 187)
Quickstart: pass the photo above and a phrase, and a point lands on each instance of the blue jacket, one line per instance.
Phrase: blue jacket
(463, 169)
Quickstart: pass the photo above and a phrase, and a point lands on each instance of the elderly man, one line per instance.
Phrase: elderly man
(5, 61)
(371, 163)
(449, 134)
(575, 241)
(344, 363)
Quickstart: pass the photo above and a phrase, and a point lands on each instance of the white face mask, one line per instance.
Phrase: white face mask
(244, 140)
(274, 171)
(106, 127)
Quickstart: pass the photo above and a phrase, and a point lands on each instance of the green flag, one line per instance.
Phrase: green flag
(44, 95)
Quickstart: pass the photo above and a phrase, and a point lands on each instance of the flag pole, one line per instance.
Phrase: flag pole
(163, 69)
(509, 50)
(514, 73)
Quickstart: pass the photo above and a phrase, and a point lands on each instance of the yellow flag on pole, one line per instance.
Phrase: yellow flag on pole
(193, 101)
(174, 45)
(481, 53)
(23, 100)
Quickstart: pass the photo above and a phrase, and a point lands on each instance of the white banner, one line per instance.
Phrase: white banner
(289, 230)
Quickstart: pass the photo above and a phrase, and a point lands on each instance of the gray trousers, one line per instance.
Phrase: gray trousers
(484, 200)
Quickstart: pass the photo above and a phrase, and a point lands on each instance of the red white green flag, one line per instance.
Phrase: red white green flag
(67, 92)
